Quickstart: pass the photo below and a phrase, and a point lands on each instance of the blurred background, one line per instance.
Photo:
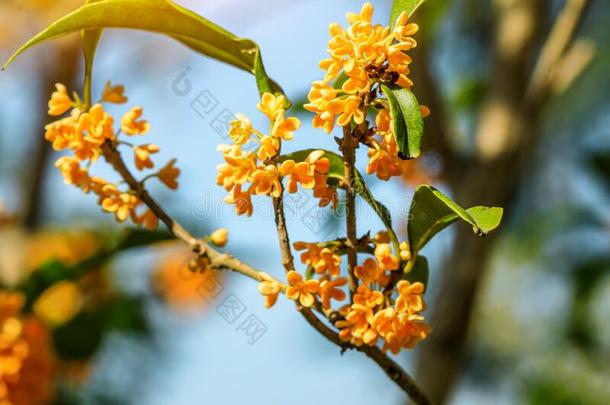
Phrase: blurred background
(112, 316)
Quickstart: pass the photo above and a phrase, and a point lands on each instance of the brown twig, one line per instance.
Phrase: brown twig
(348, 147)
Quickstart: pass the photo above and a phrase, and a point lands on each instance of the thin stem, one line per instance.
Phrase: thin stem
(349, 156)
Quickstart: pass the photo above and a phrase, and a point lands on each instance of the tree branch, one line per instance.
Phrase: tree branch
(348, 147)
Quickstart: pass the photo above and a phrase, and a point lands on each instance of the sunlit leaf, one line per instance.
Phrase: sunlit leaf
(163, 17)
(407, 122)
(431, 211)
(410, 6)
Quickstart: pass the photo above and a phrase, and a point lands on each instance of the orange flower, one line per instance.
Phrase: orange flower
(384, 161)
(114, 94)
(130, 124)
(98, 124)
(26, 358)
(119, 203)
(320, 95)
(169, 174)
(240, 129)
(329, 290)
(60, 101)
(367, 297)
(387, 261)
(269, 288)
(357, 327)
(269, 148)
(304, 172)
(142, 156)
(410, 298)
(237, 168)
(302, 290)
(271, 105)
(266, 181)
(241, 200)
(323, 260)
(148, 219)
(369, 272)
(283, 128)
(72, 172)
(400, 330)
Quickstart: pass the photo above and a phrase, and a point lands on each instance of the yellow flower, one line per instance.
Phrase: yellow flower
(237, 168)
(384, 161)
(98, 124)
(266, 181)
(329, 290)
(169, 174)
(240, 129)
(304, 172)
(72, 172)
(367, 297)
(323, 260)
(405, 251)
(387, 261)
(60, 101)
(269, 288)
(117, 202)
(114, 94)
(26, 358)
(241, 200)
(283, 128)
(269, 148)
(130, 124)
(320, 96)
(142, 156)
(357, 327)
(410, 298)
(62, 133)
(369, 272)
(350, 108)
(220, 237)
(271, 105)
(301, 290)
(400, 330)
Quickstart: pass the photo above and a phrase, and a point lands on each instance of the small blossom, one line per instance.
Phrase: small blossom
(241, 200)
(148, 219)
(269, 148)
(387, 261)
(169, 174)
(266, 181)
(410, 298)
(114, 94)
(142, 156)
(220, 237)
(269, 288)
(323, 260)
(271, 105)
(329, 290)
(98, 124)
(302, 290)
(60, 101)
(130, 124)
(283, 128)
(240, 129)
(370, 272)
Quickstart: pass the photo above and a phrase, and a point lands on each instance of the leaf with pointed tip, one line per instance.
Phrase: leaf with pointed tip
(407, 122)
(162, 17)
(431, 211)
(410, 6)
(336, 175)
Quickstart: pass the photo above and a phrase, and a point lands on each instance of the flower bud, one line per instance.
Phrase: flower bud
(220, 237)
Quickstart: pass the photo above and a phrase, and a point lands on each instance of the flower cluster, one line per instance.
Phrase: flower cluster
(260, 171)
(26, 361)
(368, 55)
(85, 132)
(378, 311)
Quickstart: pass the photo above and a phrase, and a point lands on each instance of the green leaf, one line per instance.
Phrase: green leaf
(340, 80)
(336, 176)
(79, 338)
(419, 273)
(90, 39)
(407, 122)
(431, 211)
(410, 6)
(162, 17)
